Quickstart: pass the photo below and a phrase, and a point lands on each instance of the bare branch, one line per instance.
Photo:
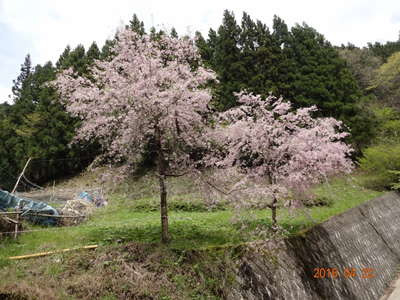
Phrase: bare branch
(219, 189)
(177, 175)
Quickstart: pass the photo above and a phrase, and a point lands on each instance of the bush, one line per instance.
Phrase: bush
(396, 185)
(388, 127)
(380, 161)
(319, 201)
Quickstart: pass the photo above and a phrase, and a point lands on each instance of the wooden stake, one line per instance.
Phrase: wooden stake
(16, 225)
(53, 193)
(51, 252)
(22, 173)
(9, 220)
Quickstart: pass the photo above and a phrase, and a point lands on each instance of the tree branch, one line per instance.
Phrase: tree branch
(220, 190)
(176, 175)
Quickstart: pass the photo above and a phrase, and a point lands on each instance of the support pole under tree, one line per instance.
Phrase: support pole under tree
(19, 178)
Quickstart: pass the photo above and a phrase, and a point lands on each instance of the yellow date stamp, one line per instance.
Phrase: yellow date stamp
(364, 273)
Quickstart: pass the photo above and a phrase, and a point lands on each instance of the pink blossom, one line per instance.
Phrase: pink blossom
(291, 150)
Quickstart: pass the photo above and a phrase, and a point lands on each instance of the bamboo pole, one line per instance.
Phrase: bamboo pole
(51, 252)
(53, 216)
(9, 213)
(9, 220)
(41, 215)
(22, 173)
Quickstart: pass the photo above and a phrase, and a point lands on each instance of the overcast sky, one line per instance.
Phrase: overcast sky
(43, 28)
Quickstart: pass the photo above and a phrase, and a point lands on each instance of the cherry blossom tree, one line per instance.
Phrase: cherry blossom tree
(279, 149)
(151, 92)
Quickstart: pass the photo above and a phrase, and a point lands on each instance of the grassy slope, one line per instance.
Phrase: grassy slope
(123, 269)
(137, 220)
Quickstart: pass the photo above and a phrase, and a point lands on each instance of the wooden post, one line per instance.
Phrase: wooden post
(22, 173)
(16, 224)
(53, 193)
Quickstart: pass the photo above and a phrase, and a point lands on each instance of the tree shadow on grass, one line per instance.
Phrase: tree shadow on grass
(182, 235)
(193, 235)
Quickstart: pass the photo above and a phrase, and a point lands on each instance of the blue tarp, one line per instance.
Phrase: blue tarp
(29, 208)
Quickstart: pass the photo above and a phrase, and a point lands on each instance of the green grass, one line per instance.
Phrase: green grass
(191, 225)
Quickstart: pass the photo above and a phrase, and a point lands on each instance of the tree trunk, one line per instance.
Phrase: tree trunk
(273, 209)
(164, 209)
(163, 189)
(274, 203)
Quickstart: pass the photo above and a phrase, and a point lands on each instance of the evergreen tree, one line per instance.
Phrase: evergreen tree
(267, 60)
(298, 64)
(174, 33)
(285, 66)
(93, 53)
(26, 70)
(7, 146)
(62, 61)
(227, 61)
(248, 45)
(106, 50)
(37, 126)
(207, 47)
(153, 32)
(281, 34)
(48, 130)
(257, 56)
(316, 75)
(156, 35)
(77, 60)
(136, 25)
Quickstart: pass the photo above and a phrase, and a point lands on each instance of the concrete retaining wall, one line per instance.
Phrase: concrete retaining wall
(366, 238)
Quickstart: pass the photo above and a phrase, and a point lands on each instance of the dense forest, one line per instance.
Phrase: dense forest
(359, 86)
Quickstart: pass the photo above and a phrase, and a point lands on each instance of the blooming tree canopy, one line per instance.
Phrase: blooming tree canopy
(288, 149)
(151, 91)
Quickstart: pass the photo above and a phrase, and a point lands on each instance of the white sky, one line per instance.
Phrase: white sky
(44, 28)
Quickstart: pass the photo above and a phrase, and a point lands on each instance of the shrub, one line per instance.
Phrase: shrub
(380, 161)
(396, 185)
(319, 201)
(388, 127)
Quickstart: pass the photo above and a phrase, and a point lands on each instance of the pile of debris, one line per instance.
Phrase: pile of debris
(6, 227)
(37, 212)
(82, 206)
(34, 211)
(74, 211)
